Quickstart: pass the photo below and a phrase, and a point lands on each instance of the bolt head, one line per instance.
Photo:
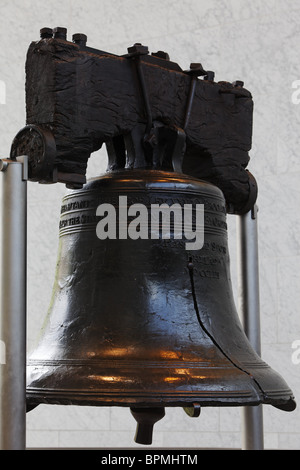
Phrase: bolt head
(161, 55)
(209, 76)
(60, 33)
(79, 38)
(46, 33)
(138, 49)
(238, 83)
(196, 66)
(196, 69)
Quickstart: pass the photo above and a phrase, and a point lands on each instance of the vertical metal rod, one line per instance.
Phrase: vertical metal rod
(13, 243)
(249, 308)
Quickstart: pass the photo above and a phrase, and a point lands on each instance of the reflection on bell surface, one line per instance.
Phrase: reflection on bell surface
(140, 315)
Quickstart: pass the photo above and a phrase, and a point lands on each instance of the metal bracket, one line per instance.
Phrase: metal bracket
(135, 52)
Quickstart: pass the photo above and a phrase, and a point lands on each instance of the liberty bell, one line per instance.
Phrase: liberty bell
(142, 313)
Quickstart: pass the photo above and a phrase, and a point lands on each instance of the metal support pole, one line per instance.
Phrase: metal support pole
(13, 177)
(249, 308)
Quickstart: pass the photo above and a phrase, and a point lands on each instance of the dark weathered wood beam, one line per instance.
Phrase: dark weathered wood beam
(145, 108)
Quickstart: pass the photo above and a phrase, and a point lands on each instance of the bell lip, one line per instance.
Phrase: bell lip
(289, 405)
(33, 400)
(176, 399)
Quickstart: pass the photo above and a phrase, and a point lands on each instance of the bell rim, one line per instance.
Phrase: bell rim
(209, 399)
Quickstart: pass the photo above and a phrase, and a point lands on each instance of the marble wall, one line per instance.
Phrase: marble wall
(251, 40)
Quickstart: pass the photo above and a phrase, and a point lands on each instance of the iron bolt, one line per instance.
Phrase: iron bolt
(79, 39)
(60, 33)
(209, 76)
(196, 69)
(46, 33)
(238, 83)
(161, 55)
(138, 49)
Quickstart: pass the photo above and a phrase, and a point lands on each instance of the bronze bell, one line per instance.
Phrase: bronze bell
(142, 313)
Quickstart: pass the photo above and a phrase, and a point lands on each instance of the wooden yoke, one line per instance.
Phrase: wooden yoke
(148, 111)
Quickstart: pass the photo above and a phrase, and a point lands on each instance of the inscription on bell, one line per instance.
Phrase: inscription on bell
(137, 217)
(75, 205)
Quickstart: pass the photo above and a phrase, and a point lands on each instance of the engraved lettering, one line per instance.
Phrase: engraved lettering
(76, 205)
